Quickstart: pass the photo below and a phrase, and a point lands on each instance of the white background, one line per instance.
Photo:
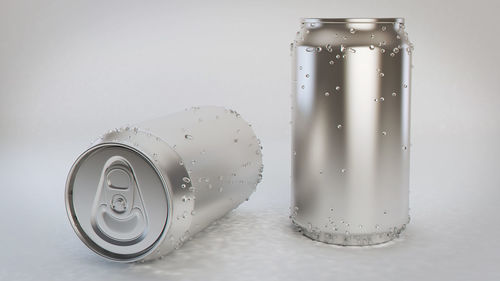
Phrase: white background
(71, 70)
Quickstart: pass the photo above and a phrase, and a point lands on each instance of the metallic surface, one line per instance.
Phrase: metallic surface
(141, 191)
(351, 129)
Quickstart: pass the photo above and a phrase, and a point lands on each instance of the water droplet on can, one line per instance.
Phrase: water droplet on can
(327, 94)
(188, 137)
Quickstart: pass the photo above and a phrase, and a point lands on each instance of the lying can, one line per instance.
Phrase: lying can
(140, 191)
(351, 130)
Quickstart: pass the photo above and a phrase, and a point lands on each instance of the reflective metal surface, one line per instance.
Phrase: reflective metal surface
(141, 191)
(351, 129)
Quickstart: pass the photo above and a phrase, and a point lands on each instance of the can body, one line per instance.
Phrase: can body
(351, 129)
(140, 191)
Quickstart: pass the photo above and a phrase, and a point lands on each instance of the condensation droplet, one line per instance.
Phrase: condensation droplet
(395, 50)
(372, 47)
(300, 67)
(382, 99)
(384, 133)
(302, 87)
(186, 180)
(188, 137)
(404, 147)
(307, 75)
(381, 74)
(331, 62)
(404, 85)
(382, 51)
(394, 94)
(318, 49)
(384, 28)
(337, 56)
(337, 88)
(310, 49)
(339, 126)
(327, 94)
(352, 30)
(392, 54)
(183, 185)
(343, 171)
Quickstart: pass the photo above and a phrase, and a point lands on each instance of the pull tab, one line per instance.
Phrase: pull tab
(118, 214)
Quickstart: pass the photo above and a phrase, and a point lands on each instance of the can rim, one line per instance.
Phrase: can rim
(353, 20)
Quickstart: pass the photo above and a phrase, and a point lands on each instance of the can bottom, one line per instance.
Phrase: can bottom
(341, 239)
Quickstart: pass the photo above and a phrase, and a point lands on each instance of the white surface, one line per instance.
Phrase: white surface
(70, 70)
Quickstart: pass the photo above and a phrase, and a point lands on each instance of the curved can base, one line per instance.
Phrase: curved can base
(341, 239)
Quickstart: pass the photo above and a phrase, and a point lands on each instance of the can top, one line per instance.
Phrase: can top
(119, 196)
(353, 20)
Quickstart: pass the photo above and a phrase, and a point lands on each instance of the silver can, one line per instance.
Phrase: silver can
(351, 130)
(140, 191)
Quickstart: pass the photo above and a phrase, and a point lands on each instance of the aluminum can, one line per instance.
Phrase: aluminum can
(351, 129)
(141, 191)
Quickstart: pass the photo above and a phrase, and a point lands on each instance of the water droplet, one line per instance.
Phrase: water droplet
(395, 50)
(186, 180)
(352, 30)
(385, 212)
(384, 28)
(310, 49)
(377, 226)
(302, 87)
(183, 185)
(384, 133)
(404, 85)
(331, 62)
(188, 137)
(294, 153)
(392, 54)
(381, 74)
(300, 67)
(184, 199)
(235, 140)
(382, 99)
(307, 75)
(337, 88)
(318, 49)
(343, 170)
(404, 147)
(372, 47)
(337, 56)
(372, 36)
(352, 50)
(193, 162)
(394, 94)
(375, 100)
(327, 94)
(339, 126)
(382, 51)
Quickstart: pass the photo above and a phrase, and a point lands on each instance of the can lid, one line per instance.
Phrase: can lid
(353, 20)
(117, 201)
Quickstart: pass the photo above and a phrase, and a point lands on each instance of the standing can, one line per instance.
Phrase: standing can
(351, 130)
(141, 191)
